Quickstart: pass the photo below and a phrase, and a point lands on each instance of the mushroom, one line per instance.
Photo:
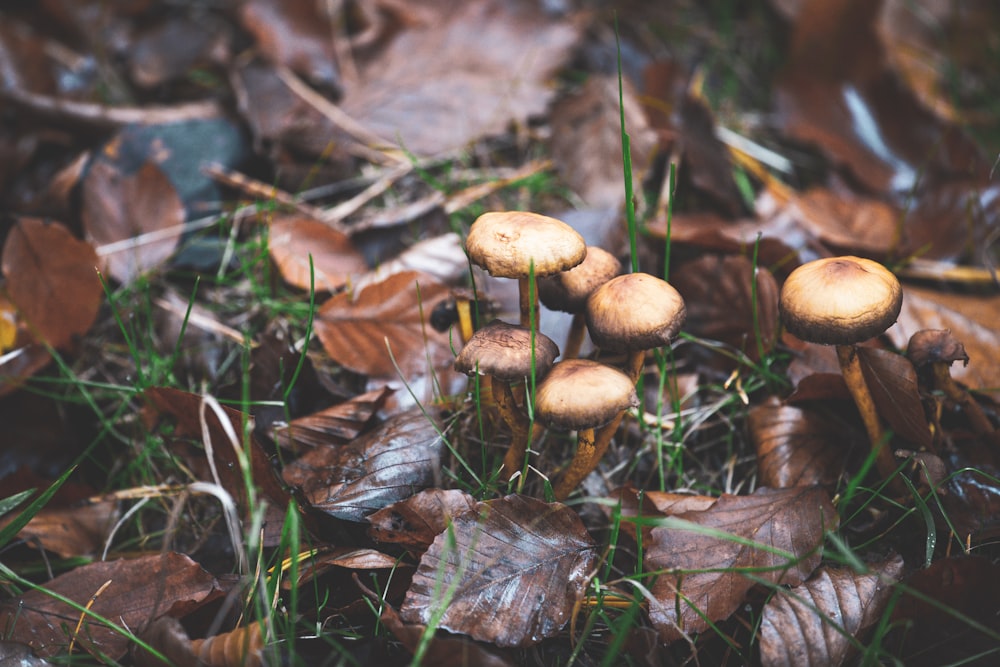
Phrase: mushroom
(504, 352)
(634, 313)
(843, 301)
(937, 349)
(568, 291)
(582, 395)
(518, 244)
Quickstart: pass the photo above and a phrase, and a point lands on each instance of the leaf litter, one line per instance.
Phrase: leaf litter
(351, 146)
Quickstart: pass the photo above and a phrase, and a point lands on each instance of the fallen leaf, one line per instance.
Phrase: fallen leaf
(336, 425)
(293, 240)
(13, 654)
(296, 34)
(122, 202)
(416, 521)
(818, 623)
(440, 651)
(460, 71)
(391, 314)
(174, 47)
(393, 462)
(797, 446)
(513, 570)
(700, 574)
(972, 319)
(892, 381)
(139, 591)
(52, 278)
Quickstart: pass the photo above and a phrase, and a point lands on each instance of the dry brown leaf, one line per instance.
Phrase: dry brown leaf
(797, 446)
(121, 202)
(52, 279)
(849, 223)
(513, 570)
(973, 319)
(391, 314)
(587, 142)
(79, 530)
(140, 590)
(815, 624)
(294, 33)
(708, 581)
(391, 463)
(416, 521)
(291, 242)
(460, 71)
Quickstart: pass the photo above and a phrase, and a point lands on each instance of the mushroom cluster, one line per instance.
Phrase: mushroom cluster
(629, 313)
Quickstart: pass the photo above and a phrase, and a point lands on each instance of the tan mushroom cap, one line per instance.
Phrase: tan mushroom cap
(583, 394)
(840, 300)
(503, 351)
(636, 311)
(568, 291)
(506, 243)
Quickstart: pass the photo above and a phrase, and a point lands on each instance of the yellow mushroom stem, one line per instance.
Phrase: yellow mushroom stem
(520, 427)
(944, 382)
(590, 449)
(633, 365)
(850, 367)
(574, 340)
(464, 311)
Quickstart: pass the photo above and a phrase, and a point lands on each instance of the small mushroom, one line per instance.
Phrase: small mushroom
(843, 301)
(582, 395)
(518, 244)
(936, 349)
(568, 292)
(634, 313)
(504, 352)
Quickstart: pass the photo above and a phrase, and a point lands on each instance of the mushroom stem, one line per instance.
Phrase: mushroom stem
(528, 302)
(583, 462)
(634, 363)
(574, 341)
(943, 381)
(520, 427)
(850, 367)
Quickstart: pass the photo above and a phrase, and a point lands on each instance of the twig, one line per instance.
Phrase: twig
(254, 188)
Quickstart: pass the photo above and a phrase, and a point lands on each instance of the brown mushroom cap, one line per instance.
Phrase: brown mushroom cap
(506, 243)
(636, 311)
(583, 394)
(568, 291)
(840, 300)
(503, 351)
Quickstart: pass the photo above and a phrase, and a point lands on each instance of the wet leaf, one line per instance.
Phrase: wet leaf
(121, 203)
(52, 278)
(291, 242)
(391, 313)
(972, 319)
(78, 530)
(848, 222)
(139, 591)
(441, 651)
(720, 306)
(391, 463)
(815, 623)
(797, 446)
(514, 569)
(336, 425)
(460, 71)
(416, 521)
(788, 524)
(893, 383)
(13, 654)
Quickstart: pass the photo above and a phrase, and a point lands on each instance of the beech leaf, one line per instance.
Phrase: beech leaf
(509, 573)
(700, 556)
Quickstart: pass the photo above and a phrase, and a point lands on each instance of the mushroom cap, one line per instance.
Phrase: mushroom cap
(840, 300)
(581, 394)
(568, 291)
(636, 311)
(506, 243)
(503, 351)
(934, 346)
